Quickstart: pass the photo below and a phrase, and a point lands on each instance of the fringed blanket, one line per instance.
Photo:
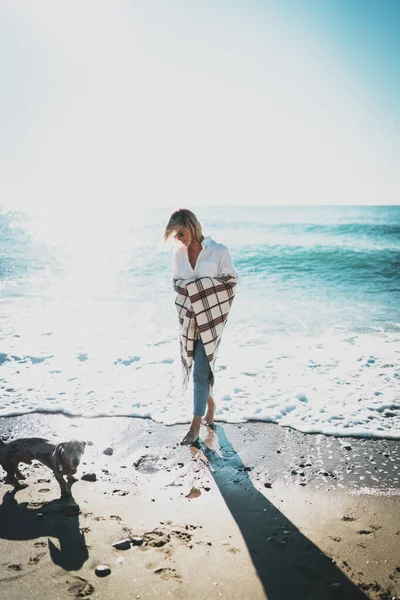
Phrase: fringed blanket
(203, 307)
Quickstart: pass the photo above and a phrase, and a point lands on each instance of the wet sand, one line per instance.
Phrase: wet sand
(253, 511)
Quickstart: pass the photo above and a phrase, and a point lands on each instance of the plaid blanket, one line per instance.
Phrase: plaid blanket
(203, 307)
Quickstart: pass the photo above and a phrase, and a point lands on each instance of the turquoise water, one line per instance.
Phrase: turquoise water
(88, 324)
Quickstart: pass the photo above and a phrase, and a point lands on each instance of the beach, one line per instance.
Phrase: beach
(254, 510)
(294, 494)
(276, 125)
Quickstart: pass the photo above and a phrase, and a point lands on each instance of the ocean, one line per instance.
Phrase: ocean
(88, 325)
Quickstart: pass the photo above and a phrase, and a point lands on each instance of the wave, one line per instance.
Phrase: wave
(323, 262)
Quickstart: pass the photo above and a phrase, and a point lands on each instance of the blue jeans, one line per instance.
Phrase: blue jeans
(201, 379)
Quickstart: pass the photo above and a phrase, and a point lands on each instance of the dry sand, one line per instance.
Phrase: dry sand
(255, 511)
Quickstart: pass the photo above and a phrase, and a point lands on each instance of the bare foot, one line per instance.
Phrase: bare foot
(193, 434)
(211, 406)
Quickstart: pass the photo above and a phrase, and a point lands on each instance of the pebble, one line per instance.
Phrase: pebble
(136, 541)
(108, 451)
(89, 477)
(102, 571)
(122, 544)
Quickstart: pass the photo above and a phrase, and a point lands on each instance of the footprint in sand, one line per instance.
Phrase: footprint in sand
(164, 540)
(79, 587)
(182, 536)
(166, 573)
(147, 464)
(156, 539)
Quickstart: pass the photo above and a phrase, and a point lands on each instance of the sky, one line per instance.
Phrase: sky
(111, 104)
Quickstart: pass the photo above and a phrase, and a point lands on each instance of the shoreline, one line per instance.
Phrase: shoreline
(255, 510)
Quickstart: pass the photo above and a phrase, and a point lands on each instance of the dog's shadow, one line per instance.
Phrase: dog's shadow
(56, 519)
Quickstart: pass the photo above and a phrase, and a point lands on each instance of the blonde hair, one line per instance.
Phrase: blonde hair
(184, 218)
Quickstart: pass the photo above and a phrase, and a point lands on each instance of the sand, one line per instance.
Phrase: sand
(254, 511)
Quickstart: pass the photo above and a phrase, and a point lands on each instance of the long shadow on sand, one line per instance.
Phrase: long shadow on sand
(288, 564)
(57, 519)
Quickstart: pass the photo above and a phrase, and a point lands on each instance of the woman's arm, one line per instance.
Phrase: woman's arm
(226, 266)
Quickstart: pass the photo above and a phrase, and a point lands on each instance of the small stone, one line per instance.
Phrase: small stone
(108, 451)
(348, 448)
(122, 544)
(136, 541)
(267, 484)
(102, 571)
(89, 477)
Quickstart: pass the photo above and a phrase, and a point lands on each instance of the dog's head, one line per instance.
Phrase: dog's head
(68, 456)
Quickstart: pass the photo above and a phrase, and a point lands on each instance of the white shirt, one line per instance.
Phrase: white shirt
(214, 260)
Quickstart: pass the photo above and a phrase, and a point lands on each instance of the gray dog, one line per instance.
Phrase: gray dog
(62, 459)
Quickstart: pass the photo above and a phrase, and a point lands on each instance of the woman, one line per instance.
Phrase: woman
(204, 279)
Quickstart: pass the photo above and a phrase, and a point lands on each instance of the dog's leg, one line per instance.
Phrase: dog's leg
(12, 471)
(65, 489)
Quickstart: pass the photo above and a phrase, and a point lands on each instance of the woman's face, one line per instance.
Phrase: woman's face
(183, 235)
